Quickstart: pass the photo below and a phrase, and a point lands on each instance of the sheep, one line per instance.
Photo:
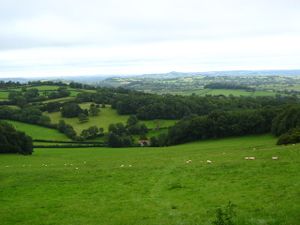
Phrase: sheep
(247, 158)
(208, 161)
(122, 165)
(76, 168)
(274, 157)
(188, 161)
(251, 158)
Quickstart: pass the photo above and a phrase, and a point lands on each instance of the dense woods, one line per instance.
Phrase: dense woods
(221, 124)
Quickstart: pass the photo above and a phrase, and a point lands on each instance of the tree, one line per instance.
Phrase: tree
(71, 110)
(31, 94)
(67, 129)
(91, 132)
(94, 110)
(132, 120)
(83, 118)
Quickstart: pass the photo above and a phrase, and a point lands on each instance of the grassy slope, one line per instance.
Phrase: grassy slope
(106, 117)
(159, 188)
(38, 132)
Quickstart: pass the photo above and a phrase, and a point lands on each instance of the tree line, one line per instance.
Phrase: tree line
(227, 85)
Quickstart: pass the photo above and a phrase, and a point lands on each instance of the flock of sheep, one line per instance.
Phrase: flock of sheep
(187, 162)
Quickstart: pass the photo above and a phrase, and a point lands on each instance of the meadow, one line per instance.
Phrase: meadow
(98, 185)
(3, 95)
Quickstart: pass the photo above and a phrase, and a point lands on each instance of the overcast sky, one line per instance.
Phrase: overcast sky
(94, 37)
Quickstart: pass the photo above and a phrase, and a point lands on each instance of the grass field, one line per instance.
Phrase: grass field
(3, 95)
(88, 186)
(38, 132)
(106, 117)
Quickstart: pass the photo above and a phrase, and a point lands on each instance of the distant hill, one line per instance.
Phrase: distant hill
(174, 74)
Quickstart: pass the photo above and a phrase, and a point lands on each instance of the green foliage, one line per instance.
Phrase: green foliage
(288, 119)
(290, 137)
(159, 141)
(12, 141)
(83, 118)
(67, 129)
(118, 136)
(29, 114)
(225, 216)
(61, 92)
(70, 110)
(221, 124)
(94, 110)
(132, 121)
(92, 132)
(227, 85)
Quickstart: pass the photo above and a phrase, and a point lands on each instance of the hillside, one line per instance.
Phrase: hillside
(159, 187)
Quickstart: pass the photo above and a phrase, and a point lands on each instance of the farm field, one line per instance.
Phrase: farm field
(89, 186)
(38, 132)
(106, 117)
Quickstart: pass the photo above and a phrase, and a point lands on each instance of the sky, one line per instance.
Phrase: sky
(40, 38)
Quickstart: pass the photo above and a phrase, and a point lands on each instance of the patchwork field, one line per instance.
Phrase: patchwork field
(90, 186)
(106, 117)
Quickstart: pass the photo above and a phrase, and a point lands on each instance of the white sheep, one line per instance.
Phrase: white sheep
(208, 161)
(188, 161)
(247, 158)
(274, 157)
(122, 165)
(251, 158)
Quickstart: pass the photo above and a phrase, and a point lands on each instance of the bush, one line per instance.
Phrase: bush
(225, 216)
(291, 137)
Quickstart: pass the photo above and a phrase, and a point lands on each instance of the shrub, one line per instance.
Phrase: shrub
(225, 216)
(291, 137)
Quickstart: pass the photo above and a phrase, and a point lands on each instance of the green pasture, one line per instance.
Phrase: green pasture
(4, 95)
(39, 132)
(97, 186)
